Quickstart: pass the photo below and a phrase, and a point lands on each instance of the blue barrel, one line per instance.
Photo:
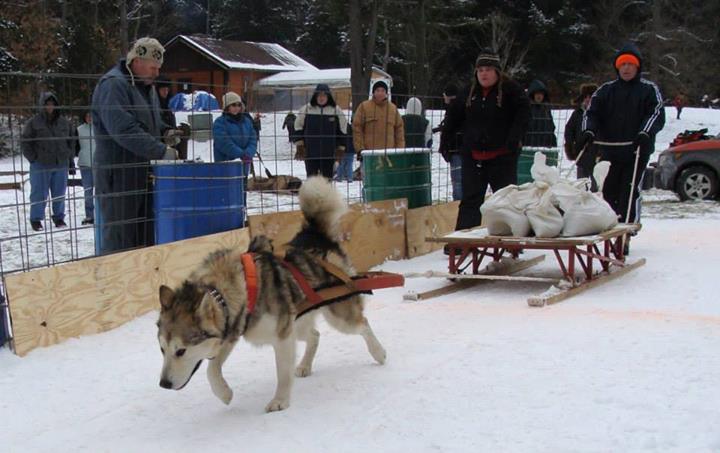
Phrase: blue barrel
(194, 199)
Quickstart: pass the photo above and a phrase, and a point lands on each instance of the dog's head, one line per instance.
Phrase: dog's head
(190, 329)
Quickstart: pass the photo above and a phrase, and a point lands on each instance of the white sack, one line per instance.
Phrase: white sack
(600, 172)
(545, 219)
(504, 212)
(590, 214)
(540, 171)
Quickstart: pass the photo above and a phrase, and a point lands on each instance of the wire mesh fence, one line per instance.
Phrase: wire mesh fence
(49, 211)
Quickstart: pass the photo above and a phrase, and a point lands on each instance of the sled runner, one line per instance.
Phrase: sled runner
(588, 261)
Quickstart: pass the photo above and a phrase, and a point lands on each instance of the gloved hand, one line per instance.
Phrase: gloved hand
(170, 153)
(72, 171)
(300, 150)
(642, 141)
(171, 137)
(586, 139)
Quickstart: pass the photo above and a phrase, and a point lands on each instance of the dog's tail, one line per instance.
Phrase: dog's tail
(321, 204)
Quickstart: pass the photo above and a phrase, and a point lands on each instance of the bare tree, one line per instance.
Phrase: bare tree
(362, 46)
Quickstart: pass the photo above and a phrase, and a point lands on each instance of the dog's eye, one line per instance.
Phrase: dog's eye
(179, 352)
(162, 350)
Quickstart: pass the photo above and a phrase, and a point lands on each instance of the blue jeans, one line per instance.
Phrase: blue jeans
(44, 178)
(456, 175)
(87, 183)
(345, 167)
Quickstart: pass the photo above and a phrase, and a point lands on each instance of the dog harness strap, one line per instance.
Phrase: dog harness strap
(310, 294)
(248, 261)
(337, 272)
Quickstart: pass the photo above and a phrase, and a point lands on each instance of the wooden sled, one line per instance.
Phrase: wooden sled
(504, 268)
(589, 261)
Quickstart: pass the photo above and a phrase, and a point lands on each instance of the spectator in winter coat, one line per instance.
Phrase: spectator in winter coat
(128, 133)
(86, 140)
(573, 132)
(289, 124)
(541, 130)
(162, 85)
(492, 115)
(377, 124)
(321, 128)
(449, 145)
(48, 143)
(234, 136)
(346, 159)
(627, 109)
(418, 133)
(679, 102)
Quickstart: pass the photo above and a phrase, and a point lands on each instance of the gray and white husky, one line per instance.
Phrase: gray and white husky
(205, 316)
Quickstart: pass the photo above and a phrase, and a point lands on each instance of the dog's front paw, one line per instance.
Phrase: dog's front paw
(303, 371)
(277, 404)
(223, 392)
(378, 353)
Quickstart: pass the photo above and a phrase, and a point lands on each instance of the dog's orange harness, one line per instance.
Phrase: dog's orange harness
(248, 262)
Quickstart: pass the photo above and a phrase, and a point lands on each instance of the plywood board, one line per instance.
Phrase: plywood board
(370, 232)
(429, 221)
(94, 295)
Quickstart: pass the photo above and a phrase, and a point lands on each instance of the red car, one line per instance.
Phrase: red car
(692, 170)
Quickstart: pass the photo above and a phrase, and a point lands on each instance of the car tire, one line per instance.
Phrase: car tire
(697, 183)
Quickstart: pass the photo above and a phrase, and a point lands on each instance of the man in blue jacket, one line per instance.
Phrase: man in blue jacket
(628, 109)
(128, 133)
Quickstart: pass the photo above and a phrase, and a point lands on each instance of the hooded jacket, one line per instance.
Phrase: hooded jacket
(541, 129)
(378, 125)
(321, 128)
(620, 110)
(418, 133)
(47, 139)
(234, 137)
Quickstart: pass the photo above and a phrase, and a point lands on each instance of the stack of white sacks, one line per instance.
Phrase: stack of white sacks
(549, 206)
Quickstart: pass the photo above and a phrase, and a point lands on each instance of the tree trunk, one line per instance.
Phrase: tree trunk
(361, 50)
(124, 45)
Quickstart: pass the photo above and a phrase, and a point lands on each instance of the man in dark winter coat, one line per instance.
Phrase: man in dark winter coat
(627, 109)
(541, 130)
(48, 145)
(449, 144)
(573, 133)
(492, 115)
(128, 133)
(321, 128)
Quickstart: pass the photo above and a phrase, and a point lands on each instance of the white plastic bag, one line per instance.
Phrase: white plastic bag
(504, 212)
(590, 214)
(545, 219)
(540, 171)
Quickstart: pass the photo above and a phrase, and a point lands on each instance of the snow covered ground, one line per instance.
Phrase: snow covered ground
(629, 366)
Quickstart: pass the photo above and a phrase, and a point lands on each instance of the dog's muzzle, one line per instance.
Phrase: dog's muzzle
(164, 383)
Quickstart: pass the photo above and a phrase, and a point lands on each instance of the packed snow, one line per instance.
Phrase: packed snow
(631, 365)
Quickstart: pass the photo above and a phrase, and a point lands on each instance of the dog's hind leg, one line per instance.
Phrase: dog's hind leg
(218, 384)
(347, 317)
(284, 362)
(305, 329)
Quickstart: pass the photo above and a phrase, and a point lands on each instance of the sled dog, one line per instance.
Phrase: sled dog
(207, 314)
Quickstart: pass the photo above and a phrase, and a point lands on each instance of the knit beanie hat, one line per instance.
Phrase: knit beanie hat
(488, 58)
(626, 58)
(379, 84)
(147, 49)
(231, 97)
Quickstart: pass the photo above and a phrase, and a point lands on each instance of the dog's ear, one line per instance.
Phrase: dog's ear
(210, 310)
(166, 296)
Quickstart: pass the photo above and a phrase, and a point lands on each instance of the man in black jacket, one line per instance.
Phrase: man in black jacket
(628, 109)
(492, 115)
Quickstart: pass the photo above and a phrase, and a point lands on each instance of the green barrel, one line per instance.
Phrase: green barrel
(527, 155)
(397, 173)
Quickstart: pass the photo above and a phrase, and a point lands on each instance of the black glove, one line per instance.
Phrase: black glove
(71, 171)
(642, 141)
(586, 139)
